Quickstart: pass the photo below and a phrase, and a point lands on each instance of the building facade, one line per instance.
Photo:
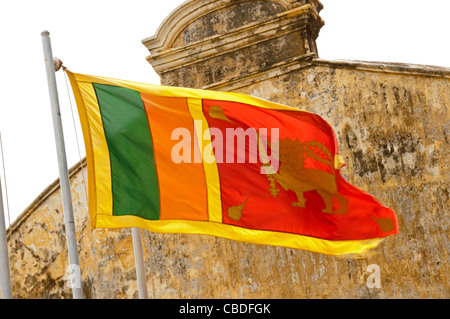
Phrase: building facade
(392, 125)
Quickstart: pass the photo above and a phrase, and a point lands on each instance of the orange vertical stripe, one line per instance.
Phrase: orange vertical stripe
(182, 186)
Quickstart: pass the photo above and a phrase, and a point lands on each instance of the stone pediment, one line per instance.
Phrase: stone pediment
(210, 38)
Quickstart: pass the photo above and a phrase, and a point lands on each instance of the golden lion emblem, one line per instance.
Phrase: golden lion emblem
(292, 174)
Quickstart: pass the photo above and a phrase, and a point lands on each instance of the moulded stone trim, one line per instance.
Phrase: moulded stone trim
(235, 40)
(190, 11)
(309, 60)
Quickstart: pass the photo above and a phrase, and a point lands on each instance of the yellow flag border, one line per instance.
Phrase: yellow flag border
(169, 91)
(254, 236)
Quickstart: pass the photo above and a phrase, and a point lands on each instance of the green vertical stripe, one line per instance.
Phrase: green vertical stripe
(133, 173)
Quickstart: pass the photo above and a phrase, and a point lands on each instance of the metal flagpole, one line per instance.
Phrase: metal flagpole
(139, 262)
(71, 236)
(5, 276)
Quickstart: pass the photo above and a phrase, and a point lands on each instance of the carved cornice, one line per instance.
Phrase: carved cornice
(205, 42)
(286, 22)
(186, 13)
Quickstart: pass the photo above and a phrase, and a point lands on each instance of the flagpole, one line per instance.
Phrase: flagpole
(71, 236)
(139, 262)
(5, 275)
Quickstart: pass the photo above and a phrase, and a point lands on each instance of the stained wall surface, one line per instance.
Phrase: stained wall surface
(392, 123)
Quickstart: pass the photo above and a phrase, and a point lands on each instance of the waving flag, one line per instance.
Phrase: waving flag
(177, 160)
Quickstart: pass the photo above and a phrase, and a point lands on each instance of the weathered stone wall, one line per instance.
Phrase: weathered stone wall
(392, 124)
(38, 250)
(194, 48)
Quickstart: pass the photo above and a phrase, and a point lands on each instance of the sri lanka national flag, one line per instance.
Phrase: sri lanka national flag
(177, 160)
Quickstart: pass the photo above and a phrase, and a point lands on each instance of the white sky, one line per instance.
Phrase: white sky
(103, 38)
